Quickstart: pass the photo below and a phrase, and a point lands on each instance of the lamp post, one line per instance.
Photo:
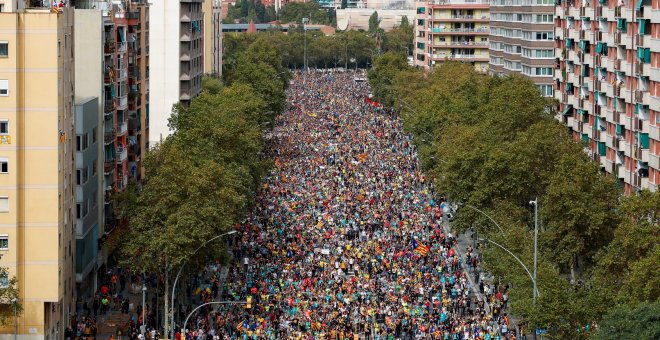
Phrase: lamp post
(304, 22)
(144, 298)
(184, 264)
(14, 301)
(183, 330)
(535, 203)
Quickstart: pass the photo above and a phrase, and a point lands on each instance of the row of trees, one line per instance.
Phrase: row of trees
(201, 181)
(344, 49)
(492, 143)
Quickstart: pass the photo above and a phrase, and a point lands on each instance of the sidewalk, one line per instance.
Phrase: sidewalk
(108, 323)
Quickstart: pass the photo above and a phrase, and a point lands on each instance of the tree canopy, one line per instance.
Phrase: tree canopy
(493, 143)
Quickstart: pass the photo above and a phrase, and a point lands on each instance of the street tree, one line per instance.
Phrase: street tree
(10, 303)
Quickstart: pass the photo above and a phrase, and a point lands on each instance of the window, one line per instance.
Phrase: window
(544, 71)
(94, 131)
(4, 242)
(4, 127)
(85, 141)
(545, 53)
(94, 168)
(4, 204)
(79, 143)
(78, 210)
(4, 88)
(546, 90)
(4, 280)
(4, 48)
(4, 165)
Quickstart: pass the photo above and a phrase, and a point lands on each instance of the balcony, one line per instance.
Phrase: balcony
(449, 3)
(460, 57)
(460, 44)
(122, 154)
(109, 46)
(465, 31)
(122, 128)
(109, 165)
(654, 132)
(108, 106)
(108, 137)
(654, 162)
(121, 102)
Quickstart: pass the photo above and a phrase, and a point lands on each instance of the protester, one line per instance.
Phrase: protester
(346, 239)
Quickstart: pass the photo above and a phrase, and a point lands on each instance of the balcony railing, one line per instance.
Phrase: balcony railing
(122, 154)
(122, 128)
(459, 43)
(459, 30)
(458, 2)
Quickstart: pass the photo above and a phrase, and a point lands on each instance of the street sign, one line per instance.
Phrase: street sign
(541, 331)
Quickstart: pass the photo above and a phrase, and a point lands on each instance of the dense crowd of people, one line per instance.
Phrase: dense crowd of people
(347, 238)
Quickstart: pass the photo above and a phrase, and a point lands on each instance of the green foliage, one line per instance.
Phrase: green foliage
(624, 322)
(294, 12)
(382, 75)
(374, 23)
(245, 10)
(492, 143)
(627, 269)
(260, 66)
(10, 304)
(202, 179)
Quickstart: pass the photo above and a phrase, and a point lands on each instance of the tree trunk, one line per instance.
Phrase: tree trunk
(167, 304)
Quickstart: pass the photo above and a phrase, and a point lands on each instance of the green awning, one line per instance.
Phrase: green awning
(568, 111)
(569, 87)
(599, 47)
(644, 54)
(585, 138)
(639, 5)
(585, 70)
(643, 139)
(621, 24)
(619, 129)
(583, 44)
(603, 2)
(642, 26)
(602, 148)
(569, 43)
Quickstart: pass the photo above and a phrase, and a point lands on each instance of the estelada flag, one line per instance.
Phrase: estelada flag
(420, 248)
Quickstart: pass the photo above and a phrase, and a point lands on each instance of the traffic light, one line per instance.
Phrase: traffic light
(249, 302)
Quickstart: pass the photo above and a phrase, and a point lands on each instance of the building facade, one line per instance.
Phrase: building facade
(452, 30)
(113, 41)
(522, 40)
(37, 181)
(608, 84)
(88, 178)
(176, 60)
(212, 37)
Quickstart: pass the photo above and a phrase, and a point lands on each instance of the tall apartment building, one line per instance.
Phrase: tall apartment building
(522, 40)
(112, 39)
(608, 84)
(212, 37)
(176, 61)
(452, 30)
(37, 149)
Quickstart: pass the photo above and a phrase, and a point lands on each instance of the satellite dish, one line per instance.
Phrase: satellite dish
(342, 24)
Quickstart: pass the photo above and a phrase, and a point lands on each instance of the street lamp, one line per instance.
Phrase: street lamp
(14, 301)
(535, 203)
(304, 22)
(144, 298)
(183, 330)
(184, 264)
